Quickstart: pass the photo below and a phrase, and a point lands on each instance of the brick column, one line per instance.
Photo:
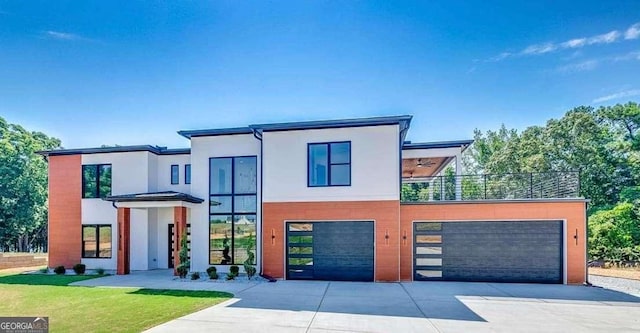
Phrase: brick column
(179, 229)
(124, 240)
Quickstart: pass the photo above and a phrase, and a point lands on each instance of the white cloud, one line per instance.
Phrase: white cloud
(633, 32)
(607, 38)
(579, 67)
(540, 48)
(571, 44)
(618, 95)
(63, 36)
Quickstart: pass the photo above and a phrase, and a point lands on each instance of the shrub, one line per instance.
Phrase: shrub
(60, 270)
(251, 271)
(234, 269)
(183, 267)
(100, 271)
(44, 270)
(79, 268)
(248, 264)
(614, 234)
(195, 276)
(231, 276)
(212, 271)
(182, 270)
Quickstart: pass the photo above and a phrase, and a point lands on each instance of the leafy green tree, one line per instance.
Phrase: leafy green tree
(23, 188)
(614, 234)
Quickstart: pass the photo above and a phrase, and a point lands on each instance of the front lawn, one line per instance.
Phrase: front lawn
(86, 309)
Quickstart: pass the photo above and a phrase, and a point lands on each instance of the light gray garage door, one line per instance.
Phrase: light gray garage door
(504, 251)
(339, 251)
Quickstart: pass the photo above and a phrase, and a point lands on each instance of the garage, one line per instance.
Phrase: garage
(334, 251)
(489, 251)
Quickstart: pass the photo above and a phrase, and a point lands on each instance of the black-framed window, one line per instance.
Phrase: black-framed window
(175, 174)
(329, 164)
(96, 181)
(233, 203)
(187, 173)
(96, 241)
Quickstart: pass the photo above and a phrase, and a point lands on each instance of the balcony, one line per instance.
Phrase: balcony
(515, 186)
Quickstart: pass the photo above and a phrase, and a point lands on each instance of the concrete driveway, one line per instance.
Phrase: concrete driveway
(299, 306)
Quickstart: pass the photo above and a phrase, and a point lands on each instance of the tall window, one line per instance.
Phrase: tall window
(96, 241)
(175, 174)
(96, 180)
(187, 173)
(232, 210)
(329, 164)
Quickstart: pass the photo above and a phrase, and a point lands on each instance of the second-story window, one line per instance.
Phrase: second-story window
(175, 174)
(187, 173)
(329, 164)
(96, 181)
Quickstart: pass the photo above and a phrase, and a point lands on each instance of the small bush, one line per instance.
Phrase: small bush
(79, 268)
(231, 276)
(235, 270)
(100, 271)
(195, 276)
(251, 271)
(60, 270)
(212, 271)
(44, 270)
(182, 270)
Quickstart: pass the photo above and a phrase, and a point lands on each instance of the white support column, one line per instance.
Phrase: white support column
(459, 176)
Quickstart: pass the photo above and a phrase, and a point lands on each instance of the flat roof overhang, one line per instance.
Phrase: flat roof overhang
(155, 200)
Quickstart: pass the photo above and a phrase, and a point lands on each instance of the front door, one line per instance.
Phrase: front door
(170, 243)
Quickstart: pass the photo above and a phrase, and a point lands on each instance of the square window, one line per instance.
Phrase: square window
(329, 164)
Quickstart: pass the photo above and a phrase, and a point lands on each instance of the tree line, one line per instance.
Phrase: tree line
(23, 188)
(603, 144)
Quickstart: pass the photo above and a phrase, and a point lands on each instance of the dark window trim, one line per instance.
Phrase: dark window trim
(232, 213)
(177, 180)
(98, 168)
(187, 180)
(97, 229)
(329, 164)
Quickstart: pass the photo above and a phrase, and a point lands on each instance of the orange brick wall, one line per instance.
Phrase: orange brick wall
(386, 215)
(573, 212)
(65, 186)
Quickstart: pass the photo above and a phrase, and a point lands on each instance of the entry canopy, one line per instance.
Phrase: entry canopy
(155, 199)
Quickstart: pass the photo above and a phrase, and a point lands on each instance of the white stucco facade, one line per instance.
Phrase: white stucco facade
(374, 164)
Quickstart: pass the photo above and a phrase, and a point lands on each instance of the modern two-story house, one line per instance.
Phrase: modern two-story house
(343, 199)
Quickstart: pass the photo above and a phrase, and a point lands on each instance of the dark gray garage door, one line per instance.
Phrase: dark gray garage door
(339, 251)
(509, 251)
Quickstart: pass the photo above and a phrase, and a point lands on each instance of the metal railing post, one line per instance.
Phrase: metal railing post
(485, 186)
(531, 185)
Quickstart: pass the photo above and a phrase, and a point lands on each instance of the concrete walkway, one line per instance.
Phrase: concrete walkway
(317, 306)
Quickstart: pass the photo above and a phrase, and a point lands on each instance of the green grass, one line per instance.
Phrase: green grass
(86, 309)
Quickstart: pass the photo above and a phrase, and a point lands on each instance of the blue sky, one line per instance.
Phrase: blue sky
(107, 72)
